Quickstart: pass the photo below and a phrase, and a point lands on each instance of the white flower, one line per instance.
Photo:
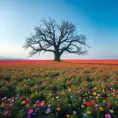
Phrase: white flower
(57, 97)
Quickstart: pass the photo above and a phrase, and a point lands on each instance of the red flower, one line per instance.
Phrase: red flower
(21, 97)
(88, 103)
(27, 101)
(108, 104)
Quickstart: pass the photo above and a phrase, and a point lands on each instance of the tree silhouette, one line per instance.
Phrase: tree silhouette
(56, 38)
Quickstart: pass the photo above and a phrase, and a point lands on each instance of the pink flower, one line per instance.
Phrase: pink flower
(12, 100)
(6, 105)
(38, 104)
(3, 87)
(37, 101)
(107, 116)
(108, 104)
(74, 112)
(30, 111)
(6, 112)
(4, 98)
(58, 94)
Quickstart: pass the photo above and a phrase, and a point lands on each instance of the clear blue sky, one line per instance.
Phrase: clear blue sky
(97, 19)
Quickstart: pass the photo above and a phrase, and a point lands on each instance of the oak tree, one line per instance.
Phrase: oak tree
(56, 38)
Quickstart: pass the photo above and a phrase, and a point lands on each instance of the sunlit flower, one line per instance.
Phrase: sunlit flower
(94, 93)
(111, 111)
(88, 112)
(23, 102)
(42, 104)
(57, 97)
(34, 105)
(68, 116)
(50, 94)
(52, 99)
(82, 106)
(58, 109)
(101, 109)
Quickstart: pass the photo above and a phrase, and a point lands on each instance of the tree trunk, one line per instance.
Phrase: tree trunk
(57, 57)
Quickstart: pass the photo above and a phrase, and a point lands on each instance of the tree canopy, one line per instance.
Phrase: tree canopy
(56, 38)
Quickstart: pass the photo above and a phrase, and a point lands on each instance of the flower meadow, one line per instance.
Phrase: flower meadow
(58, 90)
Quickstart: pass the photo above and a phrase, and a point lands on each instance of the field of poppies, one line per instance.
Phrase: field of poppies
(46, 89)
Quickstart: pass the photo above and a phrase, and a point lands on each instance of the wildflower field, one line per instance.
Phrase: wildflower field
(46, 89)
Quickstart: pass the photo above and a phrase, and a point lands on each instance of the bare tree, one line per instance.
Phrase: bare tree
(56, 38)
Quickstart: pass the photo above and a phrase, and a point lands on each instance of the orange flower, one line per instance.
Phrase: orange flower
(42, 104)
(101, 109)
(58, 108)
(88, 112)
(68, 116)
(23, 102)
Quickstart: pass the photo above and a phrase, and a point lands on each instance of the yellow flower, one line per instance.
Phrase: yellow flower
(63, 93)
(68, 116)
(2, 105)
(94, 88)
(23, 102)
(34, 105)
(117, 96)
(88, 112)
(50, 94)
(94, 93)
(96, 97)
(58, 108)
(101, 109)
(52, 99)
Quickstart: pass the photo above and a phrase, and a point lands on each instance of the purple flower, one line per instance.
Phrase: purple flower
(34, 114)
(30, 111)
(3, 87)
(107, 116)
(47, 111)
(49, 105)
(38, 101)
(74, 112)
(28, 116)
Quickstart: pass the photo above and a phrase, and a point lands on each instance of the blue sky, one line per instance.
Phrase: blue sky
(97, 19)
